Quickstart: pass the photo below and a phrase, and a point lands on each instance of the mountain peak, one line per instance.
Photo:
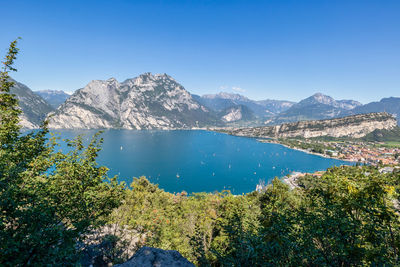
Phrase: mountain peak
(318, 98)
(112, 79)
(321, 96)
(150, 78)
(155, 76)
(318, 94)
(149, 101)
(226, 95)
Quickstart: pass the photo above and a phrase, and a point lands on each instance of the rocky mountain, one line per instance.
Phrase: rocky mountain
(34, 107)
(319, 98)
(315, 107)
(237, 113)
(54, 97)
(145, 102)
(276, 106)
(159, 102)
(355, 126)
(390, 105)
(262, 109)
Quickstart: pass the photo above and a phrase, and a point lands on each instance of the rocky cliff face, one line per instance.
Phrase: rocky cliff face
(237, 113)
(352, 126)
(146, 102)
(34, 107)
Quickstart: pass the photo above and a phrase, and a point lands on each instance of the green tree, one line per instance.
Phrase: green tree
(48, 199)
(348, 217)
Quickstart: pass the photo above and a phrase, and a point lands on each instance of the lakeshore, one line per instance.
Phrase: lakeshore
(274, 141)
(351, 150)
(198, 161)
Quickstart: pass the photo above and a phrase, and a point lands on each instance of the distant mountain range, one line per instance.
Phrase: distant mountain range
(54, 97)
(316, 107)
(390, 105)
(159, 102)
(261, 109)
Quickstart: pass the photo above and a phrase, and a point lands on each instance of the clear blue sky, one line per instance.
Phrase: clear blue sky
(267, 49)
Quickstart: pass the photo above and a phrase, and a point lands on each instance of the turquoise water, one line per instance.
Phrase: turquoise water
(196, 161)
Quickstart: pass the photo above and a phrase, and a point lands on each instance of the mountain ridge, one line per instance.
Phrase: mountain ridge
(316, 107)
(262, 108)
(161, 103)
(144, 102)
(34, 107)
(354, 126)
(387, 104)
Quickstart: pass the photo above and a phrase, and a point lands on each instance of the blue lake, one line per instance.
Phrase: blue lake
(197, 161)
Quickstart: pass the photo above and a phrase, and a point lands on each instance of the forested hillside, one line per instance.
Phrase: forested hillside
(347, 217)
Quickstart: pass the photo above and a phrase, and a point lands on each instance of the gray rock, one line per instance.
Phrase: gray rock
(34, 108)
(386, 170)
(355, 126)
(145, 102)
(154, 257)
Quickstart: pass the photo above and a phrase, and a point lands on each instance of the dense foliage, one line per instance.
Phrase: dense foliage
(48, 199)
(346, 217)
(384, 135)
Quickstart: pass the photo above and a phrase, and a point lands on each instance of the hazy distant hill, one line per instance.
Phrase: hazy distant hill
(316, 107)
(390, 105)
(34, 107)
(54, 97)
(261, 109)
(145, 102)
(276, 106)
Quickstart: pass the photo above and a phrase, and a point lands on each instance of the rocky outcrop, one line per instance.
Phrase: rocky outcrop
(355, 126)
(146, 102)
(237, 113)
(34, 108)
(154, 257)
(109, 243)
